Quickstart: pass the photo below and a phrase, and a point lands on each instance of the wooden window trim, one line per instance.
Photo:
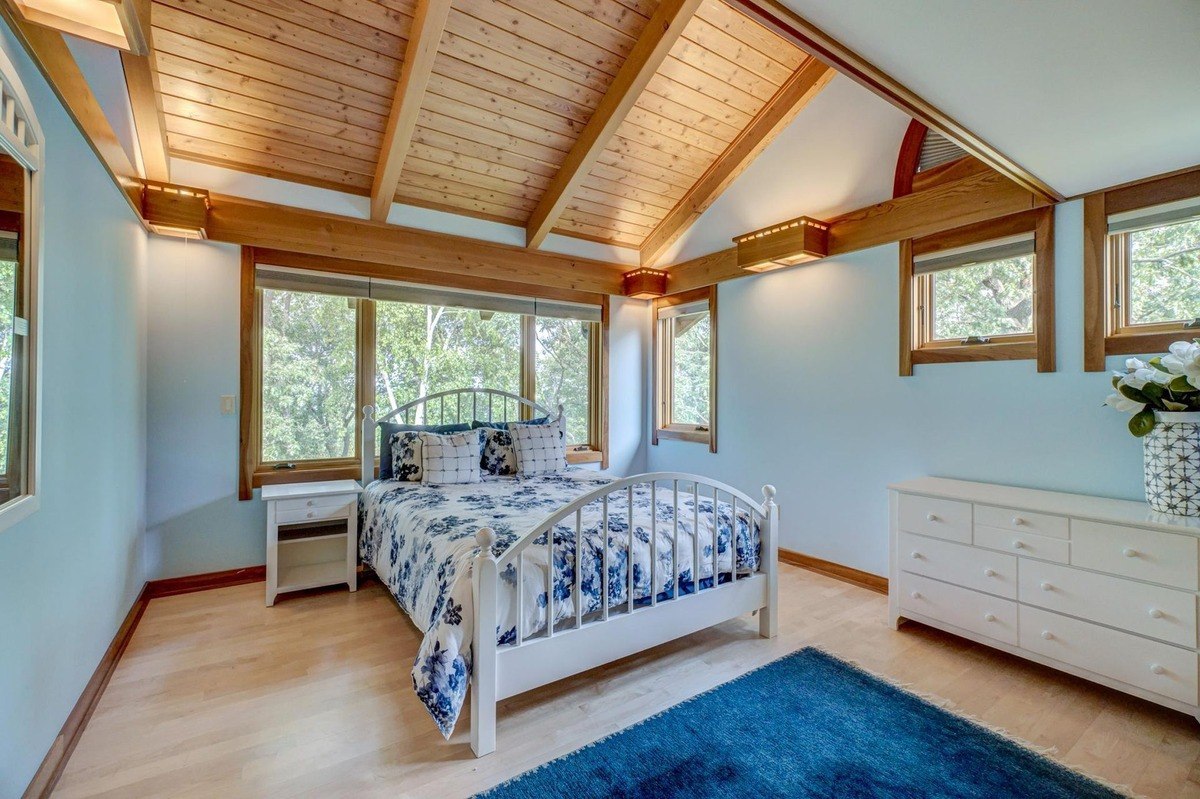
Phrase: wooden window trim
(1104, 332)
(254, 474)
(662, 429)
(1038, 346)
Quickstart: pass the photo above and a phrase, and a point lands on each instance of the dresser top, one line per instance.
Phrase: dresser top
(1080, 506)
(314, 489)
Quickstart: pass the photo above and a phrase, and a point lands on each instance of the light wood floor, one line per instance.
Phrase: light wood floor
(218, 695)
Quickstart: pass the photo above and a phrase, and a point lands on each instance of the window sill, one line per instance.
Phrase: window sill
(1010, 351)
(307, 473)
(698, 436)
(584, 456)
(1144, 343)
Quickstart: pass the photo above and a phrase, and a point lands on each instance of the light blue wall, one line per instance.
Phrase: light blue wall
(70, 572)
(195, 523)
(810, 400)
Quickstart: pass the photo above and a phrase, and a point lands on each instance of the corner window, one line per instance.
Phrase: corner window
(980, 293)
(685, 367)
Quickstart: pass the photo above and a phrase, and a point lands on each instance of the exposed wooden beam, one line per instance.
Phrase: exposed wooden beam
(976, 198)
(257, 224)
(647, 55)
(141, 81)
(782, 20)
(773, 117)
(429, 20)
(50, 52)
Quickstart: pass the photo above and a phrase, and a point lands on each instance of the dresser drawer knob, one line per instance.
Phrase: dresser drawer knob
(989, 572)
(1155, 613)
(310, 514)
(931, 517)
(989, 617)
(309, 503)
(1047, 635)
(915, 555)
(1157, 669)
(1129, 552)
(915, 594)
(1018, 543)
(1046, 586)
(1017, 521)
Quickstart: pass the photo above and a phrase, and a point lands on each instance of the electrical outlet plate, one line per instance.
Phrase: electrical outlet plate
(227, 404)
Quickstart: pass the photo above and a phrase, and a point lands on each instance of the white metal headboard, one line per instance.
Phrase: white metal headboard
(447, 407)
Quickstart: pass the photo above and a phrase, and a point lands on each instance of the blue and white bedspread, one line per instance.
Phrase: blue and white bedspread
(420, 540)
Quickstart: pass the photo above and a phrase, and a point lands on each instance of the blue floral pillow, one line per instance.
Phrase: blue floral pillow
(388, 430)
(406, 455)
(498, 456)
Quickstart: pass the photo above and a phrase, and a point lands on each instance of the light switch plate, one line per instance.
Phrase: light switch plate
(228, 404)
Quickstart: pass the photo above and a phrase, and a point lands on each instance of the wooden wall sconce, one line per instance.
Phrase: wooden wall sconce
(644, 283)
(787, 244)
(175, 210)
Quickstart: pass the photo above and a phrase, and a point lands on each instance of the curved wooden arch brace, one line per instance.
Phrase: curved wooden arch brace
(909, 158)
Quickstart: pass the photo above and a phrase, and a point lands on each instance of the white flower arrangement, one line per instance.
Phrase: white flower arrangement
(1168, 383)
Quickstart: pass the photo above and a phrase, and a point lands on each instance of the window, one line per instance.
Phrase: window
(685, 366)
(321, 345)
(1141, 267)
(982, 292)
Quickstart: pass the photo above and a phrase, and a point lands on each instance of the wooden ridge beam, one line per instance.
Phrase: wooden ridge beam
(781, 109)
(429, 21)
(647, 55)
(777, 17)
(141, 81)
(975, 198)
(258, 224)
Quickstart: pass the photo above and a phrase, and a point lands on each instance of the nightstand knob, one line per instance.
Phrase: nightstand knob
(1046, 634)
(1155, 613)
(989, 617)
(1157, 669)
(989, 572)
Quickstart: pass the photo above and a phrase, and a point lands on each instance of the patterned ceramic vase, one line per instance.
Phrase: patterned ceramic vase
(1172, 451)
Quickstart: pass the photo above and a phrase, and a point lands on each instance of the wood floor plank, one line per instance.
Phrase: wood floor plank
(218, 695)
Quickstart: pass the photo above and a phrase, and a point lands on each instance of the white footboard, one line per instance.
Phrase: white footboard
(590, 639)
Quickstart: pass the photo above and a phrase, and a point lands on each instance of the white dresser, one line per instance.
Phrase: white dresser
(1104, 589)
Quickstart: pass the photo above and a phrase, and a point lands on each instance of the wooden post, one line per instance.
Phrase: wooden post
(768, 618)
(483, 671)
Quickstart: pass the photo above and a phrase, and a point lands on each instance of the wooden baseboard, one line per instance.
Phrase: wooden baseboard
(835, 570)
(47, 775)
(203, 582)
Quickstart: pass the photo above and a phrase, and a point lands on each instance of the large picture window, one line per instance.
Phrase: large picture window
(320, 346)
(685, 367)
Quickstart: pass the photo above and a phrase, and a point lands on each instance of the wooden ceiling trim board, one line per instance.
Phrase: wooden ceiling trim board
(652, 48)
(50, 53)
(268, 164)
(297, 64)
(256, 224)
(429, 21)
(141, 83)
(251, 20)
(361, 165)
(791, 26)
(791, 98)
(336, 24)
(208, 57)
(179, 113)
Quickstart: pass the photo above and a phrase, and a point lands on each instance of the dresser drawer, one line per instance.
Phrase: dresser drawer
(329, 508)
(993, 572)
(986, 615)
(1133, 552)
(1149, 610)
(1150, 665)
(942, 518)
(1029, 545)
(1020, 521)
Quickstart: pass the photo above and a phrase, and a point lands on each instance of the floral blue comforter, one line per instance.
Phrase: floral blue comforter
(420, 540)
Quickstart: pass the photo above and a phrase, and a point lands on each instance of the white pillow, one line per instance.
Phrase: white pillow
(541, 448)
(450, 458)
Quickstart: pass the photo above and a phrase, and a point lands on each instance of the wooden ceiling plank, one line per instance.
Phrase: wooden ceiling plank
(440, 130)
(629, 221)
(175, 109)
(715, 89)
(141, 83)
(356, 164)
(456, 108)
(484, 183)
(655, 208)
(438, 201)
(585, 25)
(197, 60)
(601, 230)
(672, 129)
(467, 94)
(791, 98)
(684, 95)
(617, 182)
(717, 67)
(337, 24)
(652, 48)
(301, 41)
(461, 161)
(721, 42)
(429, 22)
(191, 148)
(470, 192)
(723, 16)
(685, 162)
(392, 17)
(615, 15)
(635, 169)
(786, 23)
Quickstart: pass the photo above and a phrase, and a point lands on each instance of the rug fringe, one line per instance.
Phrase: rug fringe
(1046, 753)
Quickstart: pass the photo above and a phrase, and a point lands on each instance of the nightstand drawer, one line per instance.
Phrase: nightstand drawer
(310, 503)
(325, 508)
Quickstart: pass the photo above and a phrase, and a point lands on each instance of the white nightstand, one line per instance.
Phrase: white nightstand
(312, 535)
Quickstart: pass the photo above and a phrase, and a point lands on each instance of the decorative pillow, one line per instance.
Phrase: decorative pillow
(504, 425)
(498, 455)
(541, 449)
(451, 458)
(405, 463)
(389, 429)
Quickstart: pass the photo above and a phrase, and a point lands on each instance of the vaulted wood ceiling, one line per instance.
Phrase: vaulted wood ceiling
(302, 91)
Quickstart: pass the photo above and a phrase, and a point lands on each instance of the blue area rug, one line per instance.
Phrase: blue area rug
(807, 725)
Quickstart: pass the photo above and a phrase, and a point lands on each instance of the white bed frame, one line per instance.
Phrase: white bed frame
(577, 644)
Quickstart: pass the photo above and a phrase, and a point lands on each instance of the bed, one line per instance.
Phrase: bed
(475, 569)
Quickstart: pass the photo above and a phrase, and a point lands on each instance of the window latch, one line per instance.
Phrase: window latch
(701, 428)
(1192, 325)
(283, 466)
(976, 340)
